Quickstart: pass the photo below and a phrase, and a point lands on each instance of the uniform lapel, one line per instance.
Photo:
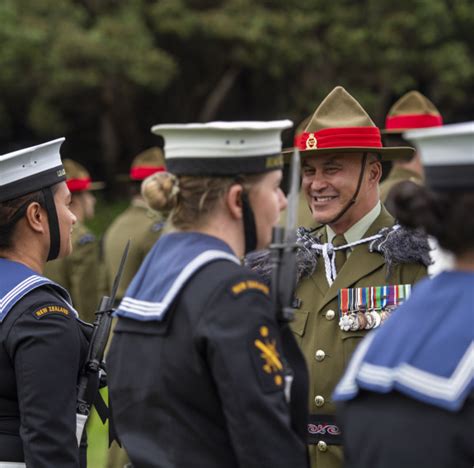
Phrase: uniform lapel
(361, 262)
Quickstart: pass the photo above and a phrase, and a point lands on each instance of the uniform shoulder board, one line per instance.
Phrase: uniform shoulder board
(243, 286)
(53, 309)
(86, 239)
(158, 226)
(266, 357)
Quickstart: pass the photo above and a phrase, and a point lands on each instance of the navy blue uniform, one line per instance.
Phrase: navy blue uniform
(205, 385)
(42, 349)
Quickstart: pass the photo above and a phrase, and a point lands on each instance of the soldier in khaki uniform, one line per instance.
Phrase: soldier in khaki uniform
(412, 110)
(80, 272)
(354, 287)
(143, 226)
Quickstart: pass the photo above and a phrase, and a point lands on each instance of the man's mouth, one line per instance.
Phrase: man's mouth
(324, 199)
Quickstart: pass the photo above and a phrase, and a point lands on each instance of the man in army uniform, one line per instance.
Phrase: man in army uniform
(80, 272)
(361, 271)
(412, 110)
(138, 223)
(143, 226)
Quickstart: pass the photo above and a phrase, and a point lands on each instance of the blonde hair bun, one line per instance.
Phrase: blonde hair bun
(160, 191)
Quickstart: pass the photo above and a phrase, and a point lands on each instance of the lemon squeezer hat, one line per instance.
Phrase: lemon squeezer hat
(223, 148)
(341, 125)
(78, 178)
(412, 110)
(147, 163)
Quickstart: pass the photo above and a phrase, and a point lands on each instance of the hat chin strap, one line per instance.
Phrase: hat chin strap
(250, 230)
(352, 200)
(54, 234)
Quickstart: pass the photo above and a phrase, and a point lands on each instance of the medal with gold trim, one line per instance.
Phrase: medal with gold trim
(367, 308)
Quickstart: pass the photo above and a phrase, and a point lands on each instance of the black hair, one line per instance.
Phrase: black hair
(11, 211)
(446, 215)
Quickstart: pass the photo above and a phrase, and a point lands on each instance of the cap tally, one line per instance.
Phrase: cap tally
(447, 154)
(30, 169)
(222, 148)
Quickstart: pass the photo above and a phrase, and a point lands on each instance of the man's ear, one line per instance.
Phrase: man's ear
(375, 171)
(36, 217)
(233, 201)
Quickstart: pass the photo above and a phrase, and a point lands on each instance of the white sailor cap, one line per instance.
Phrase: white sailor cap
(30, 169)
(223, 148)
(447, 154)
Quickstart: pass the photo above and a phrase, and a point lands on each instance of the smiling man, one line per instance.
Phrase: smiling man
(365, 265)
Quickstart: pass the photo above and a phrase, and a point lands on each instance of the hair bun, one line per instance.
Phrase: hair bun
(160, 191)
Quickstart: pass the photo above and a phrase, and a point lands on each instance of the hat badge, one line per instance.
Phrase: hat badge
(311, 142)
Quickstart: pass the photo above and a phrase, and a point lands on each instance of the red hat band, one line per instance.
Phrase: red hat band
(344, 137)
(78, 185)
(413, 121)
(142, 172)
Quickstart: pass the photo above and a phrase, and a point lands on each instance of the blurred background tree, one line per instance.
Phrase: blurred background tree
(101, 72)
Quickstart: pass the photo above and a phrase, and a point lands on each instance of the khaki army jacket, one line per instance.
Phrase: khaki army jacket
(326, 347)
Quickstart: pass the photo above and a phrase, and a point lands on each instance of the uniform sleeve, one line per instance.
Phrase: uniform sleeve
(243, 350)
(85, 273)
(44, 345)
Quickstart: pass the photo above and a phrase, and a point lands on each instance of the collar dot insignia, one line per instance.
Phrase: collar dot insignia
(265, 351)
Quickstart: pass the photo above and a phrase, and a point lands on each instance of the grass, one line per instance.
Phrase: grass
(98, 439)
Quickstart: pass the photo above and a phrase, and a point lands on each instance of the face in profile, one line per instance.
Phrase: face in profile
(267, 200)
(66, 218)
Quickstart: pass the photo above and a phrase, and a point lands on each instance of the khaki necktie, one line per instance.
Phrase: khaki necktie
(340, 254)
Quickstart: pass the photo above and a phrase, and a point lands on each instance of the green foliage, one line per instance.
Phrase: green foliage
(103, 71)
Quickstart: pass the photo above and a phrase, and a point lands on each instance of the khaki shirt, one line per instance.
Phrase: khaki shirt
(80, 273)
(143, 227)
(326, 347)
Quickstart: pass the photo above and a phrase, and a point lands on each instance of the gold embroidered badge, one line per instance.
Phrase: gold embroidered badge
(311, 142)
(274, 161)
(52, 309)
(250, 285)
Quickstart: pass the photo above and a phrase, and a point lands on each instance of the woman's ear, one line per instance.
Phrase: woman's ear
(233, 201)
(36, 217)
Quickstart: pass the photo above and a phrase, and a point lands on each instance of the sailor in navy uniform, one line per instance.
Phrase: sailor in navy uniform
(42, 344)
(407, 398)
(201, 374)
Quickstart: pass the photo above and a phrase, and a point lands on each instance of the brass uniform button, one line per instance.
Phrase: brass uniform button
(320, 355)
(322, 446)
(330, 314)
(319, 401)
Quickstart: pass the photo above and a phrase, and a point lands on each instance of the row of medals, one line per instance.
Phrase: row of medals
(359, 320)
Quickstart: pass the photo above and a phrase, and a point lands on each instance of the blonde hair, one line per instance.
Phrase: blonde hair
(191, 199)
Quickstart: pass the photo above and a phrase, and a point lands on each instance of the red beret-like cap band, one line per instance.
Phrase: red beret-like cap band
(413, 121)
(142, 172)
(343, 137)
(78, 185)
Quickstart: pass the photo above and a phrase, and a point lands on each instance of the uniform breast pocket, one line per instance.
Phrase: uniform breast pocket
(350, 341)
(298, 325)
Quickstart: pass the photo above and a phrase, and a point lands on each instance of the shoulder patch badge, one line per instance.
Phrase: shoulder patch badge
(249, 285)
(267, 359)
(86, 239)
(51, 310)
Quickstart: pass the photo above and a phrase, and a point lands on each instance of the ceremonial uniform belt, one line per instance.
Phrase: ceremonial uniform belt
(12, 464)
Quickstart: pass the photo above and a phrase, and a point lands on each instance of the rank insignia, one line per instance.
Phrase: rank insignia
(51, 310)
(367, 308)
(267, 360)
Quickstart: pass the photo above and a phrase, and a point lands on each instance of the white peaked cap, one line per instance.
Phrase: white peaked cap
(30, 169)
(222, 148)
(447, 153)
